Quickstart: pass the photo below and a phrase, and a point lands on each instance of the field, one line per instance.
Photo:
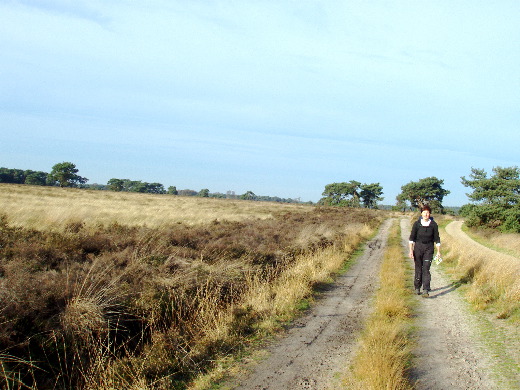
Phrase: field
(48, 208)
(105, 290)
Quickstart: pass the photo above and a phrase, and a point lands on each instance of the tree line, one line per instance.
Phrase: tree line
(494, 200)
(65, 174)
(352, 194)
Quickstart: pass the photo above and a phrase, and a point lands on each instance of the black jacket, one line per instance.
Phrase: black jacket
(425, 234)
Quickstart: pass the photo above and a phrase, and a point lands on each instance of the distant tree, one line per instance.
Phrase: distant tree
(371, 194)
(155, 188)
(97, 187)
(218, 195)
(134, 186)
(495, 200)
(342, 194)
(5, 175)
(187, 192)
(172, 190)
(65, 174)
(116, 184)
(352, 194)
(401, 203)
(36, 178)
(128, 185)
(425, 191)
(204, 193)
(249, 195)
(14, 176)
(18, 176)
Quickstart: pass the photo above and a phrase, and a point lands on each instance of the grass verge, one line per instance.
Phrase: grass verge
(385, 352)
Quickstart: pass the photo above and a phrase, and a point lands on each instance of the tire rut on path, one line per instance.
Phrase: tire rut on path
(317, 348)
(448, 354)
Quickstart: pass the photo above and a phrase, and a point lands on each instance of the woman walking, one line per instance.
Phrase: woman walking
(425, 233)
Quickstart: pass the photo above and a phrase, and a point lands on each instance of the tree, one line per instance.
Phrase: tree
(36, 178)
(15, 176)
(116, 184)
(425, 191)
(342, 194)
(249, 195)
(65, 175)
(352, 194)
(503, 188)
(187, 192)
(172, 190)
(496, 200)
(155, 188)
(204, 193)
(371, 194)
(135, 186)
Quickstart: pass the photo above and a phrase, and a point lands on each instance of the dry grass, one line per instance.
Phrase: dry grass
(297, 281)
(47, 208)
(505, 242)
(492, 281)
(384, 353)
(138, 305)
(277, 302)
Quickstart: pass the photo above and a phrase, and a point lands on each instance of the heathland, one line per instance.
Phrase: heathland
(104, 290)
(112, 290)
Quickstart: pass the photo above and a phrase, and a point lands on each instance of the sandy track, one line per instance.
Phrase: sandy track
(454, 229)
(449, 354)
(499, 332)
(318, 347)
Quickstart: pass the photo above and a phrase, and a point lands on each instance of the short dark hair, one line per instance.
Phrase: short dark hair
(426, 207)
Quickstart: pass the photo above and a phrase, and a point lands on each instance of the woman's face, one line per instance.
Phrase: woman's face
(425, 214)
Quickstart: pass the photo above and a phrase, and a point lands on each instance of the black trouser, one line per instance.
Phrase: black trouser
(422, 256)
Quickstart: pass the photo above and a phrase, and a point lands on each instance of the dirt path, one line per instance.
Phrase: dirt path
(499, 333)
(449, 354)
(317, 348)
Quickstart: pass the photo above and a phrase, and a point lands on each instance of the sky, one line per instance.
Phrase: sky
(278, 97)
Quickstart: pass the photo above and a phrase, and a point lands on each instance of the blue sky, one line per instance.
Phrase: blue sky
(277, 97)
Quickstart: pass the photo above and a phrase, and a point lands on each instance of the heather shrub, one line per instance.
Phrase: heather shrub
(118, 306)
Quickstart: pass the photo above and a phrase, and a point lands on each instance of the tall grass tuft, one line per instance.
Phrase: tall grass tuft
(384, 353)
